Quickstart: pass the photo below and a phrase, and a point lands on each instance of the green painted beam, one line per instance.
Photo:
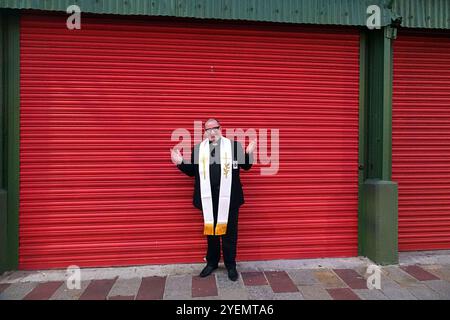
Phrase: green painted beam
(3, 205)
(362, 138)
(379, 104)
(11, 135)
(3, 231)
(433, 14)
(332, 12)
(378, 203)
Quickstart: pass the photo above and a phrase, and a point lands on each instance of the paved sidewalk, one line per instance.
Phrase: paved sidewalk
(420, 275)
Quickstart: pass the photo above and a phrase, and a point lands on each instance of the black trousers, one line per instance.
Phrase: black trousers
(229, 240)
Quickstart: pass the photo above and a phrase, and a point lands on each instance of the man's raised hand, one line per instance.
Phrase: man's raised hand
(177, 158)
(251, 147)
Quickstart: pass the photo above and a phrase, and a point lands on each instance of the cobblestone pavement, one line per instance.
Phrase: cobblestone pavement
(419, 276)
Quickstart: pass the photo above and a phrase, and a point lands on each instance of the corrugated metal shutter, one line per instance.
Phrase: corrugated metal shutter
(98, 107)
(421, 139)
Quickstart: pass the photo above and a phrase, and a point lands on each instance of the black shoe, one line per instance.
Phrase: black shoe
(207, 271)
(233, 274)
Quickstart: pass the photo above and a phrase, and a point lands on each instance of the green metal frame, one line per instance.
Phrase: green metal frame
(10, 47)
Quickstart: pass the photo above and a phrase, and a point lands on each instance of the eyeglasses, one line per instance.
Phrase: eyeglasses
(211, 129)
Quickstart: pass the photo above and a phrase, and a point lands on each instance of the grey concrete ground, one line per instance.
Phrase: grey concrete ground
(419, 275)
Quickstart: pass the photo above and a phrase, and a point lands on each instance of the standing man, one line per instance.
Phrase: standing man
(215, 164)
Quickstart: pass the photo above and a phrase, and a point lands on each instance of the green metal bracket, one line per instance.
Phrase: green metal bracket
(390, 32)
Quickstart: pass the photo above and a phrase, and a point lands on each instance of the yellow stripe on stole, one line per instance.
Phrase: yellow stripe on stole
(208, 229)
(221, 229)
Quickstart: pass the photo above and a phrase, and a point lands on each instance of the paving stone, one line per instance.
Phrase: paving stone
(230, 290)
(328, 279)
(445, 269)
(440, 271)
(152, 288)
(254, 278)
(368, 294)
(206, 298)
(303, 277)
(342, 294)
(401, 277)
(43, 291)
(419, 273)
(398, 294)
(433, 266)
(389, 283)
(442, 287)
(178, 287)
(17, 291)
(352, 278)
(233, 294)
(424, 292)
(63, 293)
(260, 293)
(3, 286)
(125, 287)
(314, 292)
(16, 275)
(386, 282)
(280, 281)
(98, 289)
(362, 270)
(204, 287)
(224, 283)
(288, 296)
(121, 298)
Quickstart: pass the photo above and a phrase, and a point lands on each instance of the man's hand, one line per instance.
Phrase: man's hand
(251, 147)
(177, 158)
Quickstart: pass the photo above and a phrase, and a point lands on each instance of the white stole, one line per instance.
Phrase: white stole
(225, 187)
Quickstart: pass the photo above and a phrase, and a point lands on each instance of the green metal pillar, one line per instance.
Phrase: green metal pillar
(3, 205)
(9, 141)
(378, 220)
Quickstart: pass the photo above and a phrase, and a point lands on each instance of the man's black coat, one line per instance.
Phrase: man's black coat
(244, 161)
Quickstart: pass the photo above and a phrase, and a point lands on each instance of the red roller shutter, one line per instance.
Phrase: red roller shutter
(98, 107)
(421, 139)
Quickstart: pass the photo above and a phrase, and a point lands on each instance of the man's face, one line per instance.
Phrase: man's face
(213, 131)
